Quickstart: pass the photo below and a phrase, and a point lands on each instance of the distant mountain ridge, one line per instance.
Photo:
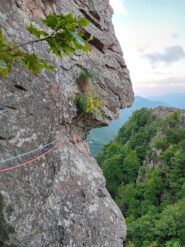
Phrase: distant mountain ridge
(174, 99)
(98, 137)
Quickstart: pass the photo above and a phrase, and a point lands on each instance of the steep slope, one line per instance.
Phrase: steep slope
(98, 137)
(59, 198)
(144, 170)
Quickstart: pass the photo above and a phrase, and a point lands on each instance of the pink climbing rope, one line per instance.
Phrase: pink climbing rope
(28, 162)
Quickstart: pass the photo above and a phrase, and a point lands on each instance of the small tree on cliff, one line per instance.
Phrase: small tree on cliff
(64, 34)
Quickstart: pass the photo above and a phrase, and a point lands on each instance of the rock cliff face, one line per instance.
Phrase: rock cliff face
(60, 199)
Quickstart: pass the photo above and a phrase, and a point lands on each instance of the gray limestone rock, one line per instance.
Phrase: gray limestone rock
(60, 199)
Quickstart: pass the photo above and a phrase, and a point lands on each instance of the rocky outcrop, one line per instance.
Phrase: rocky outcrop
(161, 113)
(60, 199)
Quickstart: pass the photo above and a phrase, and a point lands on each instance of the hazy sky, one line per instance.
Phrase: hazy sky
(152, 36)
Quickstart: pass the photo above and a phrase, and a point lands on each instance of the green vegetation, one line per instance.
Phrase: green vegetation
(87, 103)
(99, 137)
(63, 34)
(144, 170)
(85, 74)
(87, 100)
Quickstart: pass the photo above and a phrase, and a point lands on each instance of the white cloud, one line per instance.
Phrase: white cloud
(169, 55)
(119, 7)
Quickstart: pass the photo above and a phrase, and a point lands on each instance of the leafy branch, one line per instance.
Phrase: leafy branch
(64, 36)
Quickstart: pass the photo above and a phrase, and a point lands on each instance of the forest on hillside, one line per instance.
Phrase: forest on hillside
(145, 174)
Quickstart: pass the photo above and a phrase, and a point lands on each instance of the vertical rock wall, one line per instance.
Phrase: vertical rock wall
(60, 199)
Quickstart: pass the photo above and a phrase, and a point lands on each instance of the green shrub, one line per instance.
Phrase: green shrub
(85, 74)
(88, 103)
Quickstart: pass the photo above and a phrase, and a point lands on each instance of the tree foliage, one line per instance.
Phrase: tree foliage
(149, 188)
(63, 34)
